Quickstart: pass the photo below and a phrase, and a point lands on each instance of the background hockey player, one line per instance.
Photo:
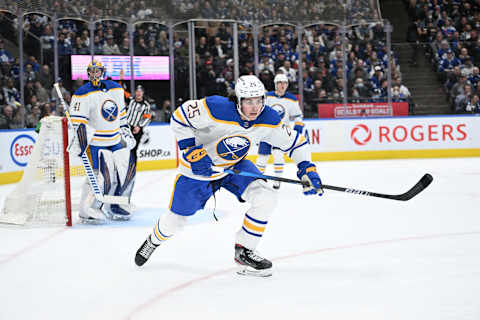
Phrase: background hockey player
(218, 131)
(98, 113)
(286, 104)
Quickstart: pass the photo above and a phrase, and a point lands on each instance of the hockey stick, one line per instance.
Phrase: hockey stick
(416, 189)
(92, 179)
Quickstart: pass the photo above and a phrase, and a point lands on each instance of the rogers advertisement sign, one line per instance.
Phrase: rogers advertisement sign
(405, 133)
(363, 134)
(356, 110)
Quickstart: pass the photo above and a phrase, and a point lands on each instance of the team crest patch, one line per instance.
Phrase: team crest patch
(280, 110)
(233, 148)
(109, 110)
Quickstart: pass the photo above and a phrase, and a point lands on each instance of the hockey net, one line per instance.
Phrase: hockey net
(44, 195)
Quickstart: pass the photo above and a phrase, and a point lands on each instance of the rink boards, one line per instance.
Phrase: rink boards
(331, 140)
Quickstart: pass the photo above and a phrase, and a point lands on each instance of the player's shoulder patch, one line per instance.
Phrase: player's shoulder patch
(109, 84)
(268, 117)
(290, 96)
(221, 108)
(84, 90)
(270, 94)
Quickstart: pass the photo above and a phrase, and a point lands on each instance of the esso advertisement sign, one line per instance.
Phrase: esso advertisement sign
(21, 148)
(405, 133)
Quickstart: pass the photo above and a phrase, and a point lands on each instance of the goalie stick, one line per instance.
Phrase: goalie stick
(416, 189)
(92, 179)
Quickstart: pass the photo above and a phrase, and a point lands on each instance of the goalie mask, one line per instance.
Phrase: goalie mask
(96, 72)
(249, 87)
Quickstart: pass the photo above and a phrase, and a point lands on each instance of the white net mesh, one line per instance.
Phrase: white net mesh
(39, 198)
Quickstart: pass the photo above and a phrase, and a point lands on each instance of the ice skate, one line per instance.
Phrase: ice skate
(144, 252)
(118, 213)
(92, 216)
(276, 185)
(251, 264)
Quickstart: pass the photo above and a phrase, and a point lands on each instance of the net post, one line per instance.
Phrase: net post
(66, 173)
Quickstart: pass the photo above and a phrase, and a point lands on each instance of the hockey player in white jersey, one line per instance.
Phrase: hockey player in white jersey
(217, 131)
(98, 114)
(286, 104)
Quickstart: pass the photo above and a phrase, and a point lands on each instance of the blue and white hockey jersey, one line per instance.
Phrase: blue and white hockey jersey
(215, 122)
(102, 108)
(287, 106)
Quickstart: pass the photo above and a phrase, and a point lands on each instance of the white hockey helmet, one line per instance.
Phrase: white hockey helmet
(249, 87)
(280, 77)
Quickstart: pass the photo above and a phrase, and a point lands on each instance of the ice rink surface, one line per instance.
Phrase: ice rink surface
(341, 256)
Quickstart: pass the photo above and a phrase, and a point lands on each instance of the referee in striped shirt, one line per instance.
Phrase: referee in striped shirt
(138, 116)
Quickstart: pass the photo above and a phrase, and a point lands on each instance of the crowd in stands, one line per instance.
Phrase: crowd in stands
(321, 55)
(323, 69)
(449, 30)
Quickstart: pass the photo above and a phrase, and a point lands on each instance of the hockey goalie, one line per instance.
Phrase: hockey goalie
(98, 116)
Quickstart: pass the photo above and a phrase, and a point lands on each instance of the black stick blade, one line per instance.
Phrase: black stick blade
(424, 182)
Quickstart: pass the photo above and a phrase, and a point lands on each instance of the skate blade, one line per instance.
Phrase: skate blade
(91, 221)
(249, 271)
(118, 217)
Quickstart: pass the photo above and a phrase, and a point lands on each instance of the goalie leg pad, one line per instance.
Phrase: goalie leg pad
(126, 170)
(263, 200)
(126, 167)
(106, 177)
(90, 209)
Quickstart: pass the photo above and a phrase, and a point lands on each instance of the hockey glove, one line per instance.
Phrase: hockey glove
(199, 160)
(307, 172)
(299, 127)
(80, 140)
(128, 140)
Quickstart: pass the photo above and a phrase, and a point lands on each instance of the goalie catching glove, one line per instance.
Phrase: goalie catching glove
(127, 138)
(307, 172)
(81, 135)
(199, 160)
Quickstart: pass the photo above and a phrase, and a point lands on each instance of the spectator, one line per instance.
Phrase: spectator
(10, 93)
(266, 63)
(473, 104)
(125, 47)
(289, 72)
(141, 47)
(164, 114)
(41, 93)
(29, 90)
(111, 48)
(463, 98)
(32, 119)
(5, 56)
(64, 45)
(45, 77)
(97, 45)
(6, 118)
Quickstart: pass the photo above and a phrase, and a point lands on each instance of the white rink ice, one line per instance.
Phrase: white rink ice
(341, 256)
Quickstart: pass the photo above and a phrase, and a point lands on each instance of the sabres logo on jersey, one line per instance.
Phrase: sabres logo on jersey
(109, 110)
(280, 110)
(233, 148)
